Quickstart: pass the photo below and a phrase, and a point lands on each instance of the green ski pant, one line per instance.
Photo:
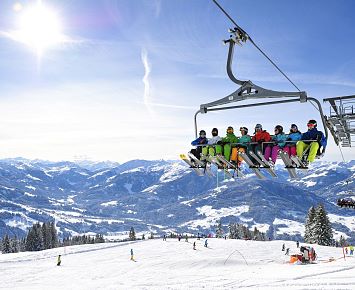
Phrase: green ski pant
(212, 150)
(301, 147)
(227, 151)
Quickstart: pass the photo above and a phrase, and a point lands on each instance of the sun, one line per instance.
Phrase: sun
(39, 27)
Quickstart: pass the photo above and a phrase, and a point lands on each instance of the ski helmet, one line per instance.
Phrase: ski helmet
(294, 126)
(214, 132)
(245, 129)
(279, 128)
(203, 133)
(312, 123)
(230, 129)
(258, 126)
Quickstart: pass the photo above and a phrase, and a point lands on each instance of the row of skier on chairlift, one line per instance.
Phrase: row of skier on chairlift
(294, 143)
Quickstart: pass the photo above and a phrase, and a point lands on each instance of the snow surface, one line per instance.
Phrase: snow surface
(225, 264)
(213, 215)
(110, 203)
(33, 178)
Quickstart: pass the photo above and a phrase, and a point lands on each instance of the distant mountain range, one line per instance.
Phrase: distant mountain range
(163, 196)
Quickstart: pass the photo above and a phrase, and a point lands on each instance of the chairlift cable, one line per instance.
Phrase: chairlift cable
(342, 156)
(256, 46)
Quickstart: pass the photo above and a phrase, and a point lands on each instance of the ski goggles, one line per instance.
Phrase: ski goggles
(311, 125)
(243, 129)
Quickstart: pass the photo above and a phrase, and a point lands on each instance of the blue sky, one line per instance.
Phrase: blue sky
(131, 74)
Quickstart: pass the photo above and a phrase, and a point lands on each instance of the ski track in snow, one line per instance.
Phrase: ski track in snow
(225, 264)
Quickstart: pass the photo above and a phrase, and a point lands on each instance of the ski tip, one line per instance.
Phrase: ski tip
(182, 156)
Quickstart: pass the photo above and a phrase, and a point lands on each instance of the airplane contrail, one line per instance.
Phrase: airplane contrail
(147, 70)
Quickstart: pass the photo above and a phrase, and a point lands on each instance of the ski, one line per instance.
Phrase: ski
(198, 161)
(267, 165)
(228, 173)
(288, 164)
(188, 161)
(225, 162)
(201, 164)
(208, 170)
(229, 165)
(298, 162)
(252, 166)
(213, 160)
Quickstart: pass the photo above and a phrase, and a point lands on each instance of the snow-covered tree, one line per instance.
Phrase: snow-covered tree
(54, 235)
(342, 241)
(14, 245)
(132, 234)
(309, 225)
(219, 230)
(233, 231)
(6, 247)
(46, 233)
(322, 229)
(271, 232)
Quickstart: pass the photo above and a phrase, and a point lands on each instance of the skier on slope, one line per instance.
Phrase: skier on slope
(132, 257)
(298, 244)
(194, 246)
(206, 244)
(59, 261)
(312, 139)
(283, 247)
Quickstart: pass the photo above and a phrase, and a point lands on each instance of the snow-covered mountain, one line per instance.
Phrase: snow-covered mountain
(165, 196)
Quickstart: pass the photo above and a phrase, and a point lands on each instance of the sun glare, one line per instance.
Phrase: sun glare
(38, 27)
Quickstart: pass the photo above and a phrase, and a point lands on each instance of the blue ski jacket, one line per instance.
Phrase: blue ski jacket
(245, 139)
(296, 136)
(315, 135)
(280, 139)
(199, 141)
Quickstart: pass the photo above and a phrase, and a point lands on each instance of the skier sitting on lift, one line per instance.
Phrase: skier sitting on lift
(259, 137)
(312, 139)
(294, 136)
(227, 141)
(243, 146)
(279, 142)
(199, 141)
(212, 150)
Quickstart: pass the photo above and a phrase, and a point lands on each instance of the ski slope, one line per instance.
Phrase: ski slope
(172, 264)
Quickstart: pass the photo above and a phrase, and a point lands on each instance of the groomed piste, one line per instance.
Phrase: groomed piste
(229, 264)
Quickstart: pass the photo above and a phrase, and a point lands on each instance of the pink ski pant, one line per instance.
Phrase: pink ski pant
(274, 150)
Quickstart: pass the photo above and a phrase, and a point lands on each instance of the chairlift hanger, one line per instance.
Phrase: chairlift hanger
(247, 89)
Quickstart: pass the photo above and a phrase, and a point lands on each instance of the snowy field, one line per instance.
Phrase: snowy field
(228, 264)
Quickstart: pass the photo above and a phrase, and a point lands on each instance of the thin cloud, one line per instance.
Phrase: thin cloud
(173, 106)
(157, 5)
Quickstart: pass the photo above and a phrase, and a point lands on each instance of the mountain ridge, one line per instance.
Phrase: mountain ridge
(164, 195)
